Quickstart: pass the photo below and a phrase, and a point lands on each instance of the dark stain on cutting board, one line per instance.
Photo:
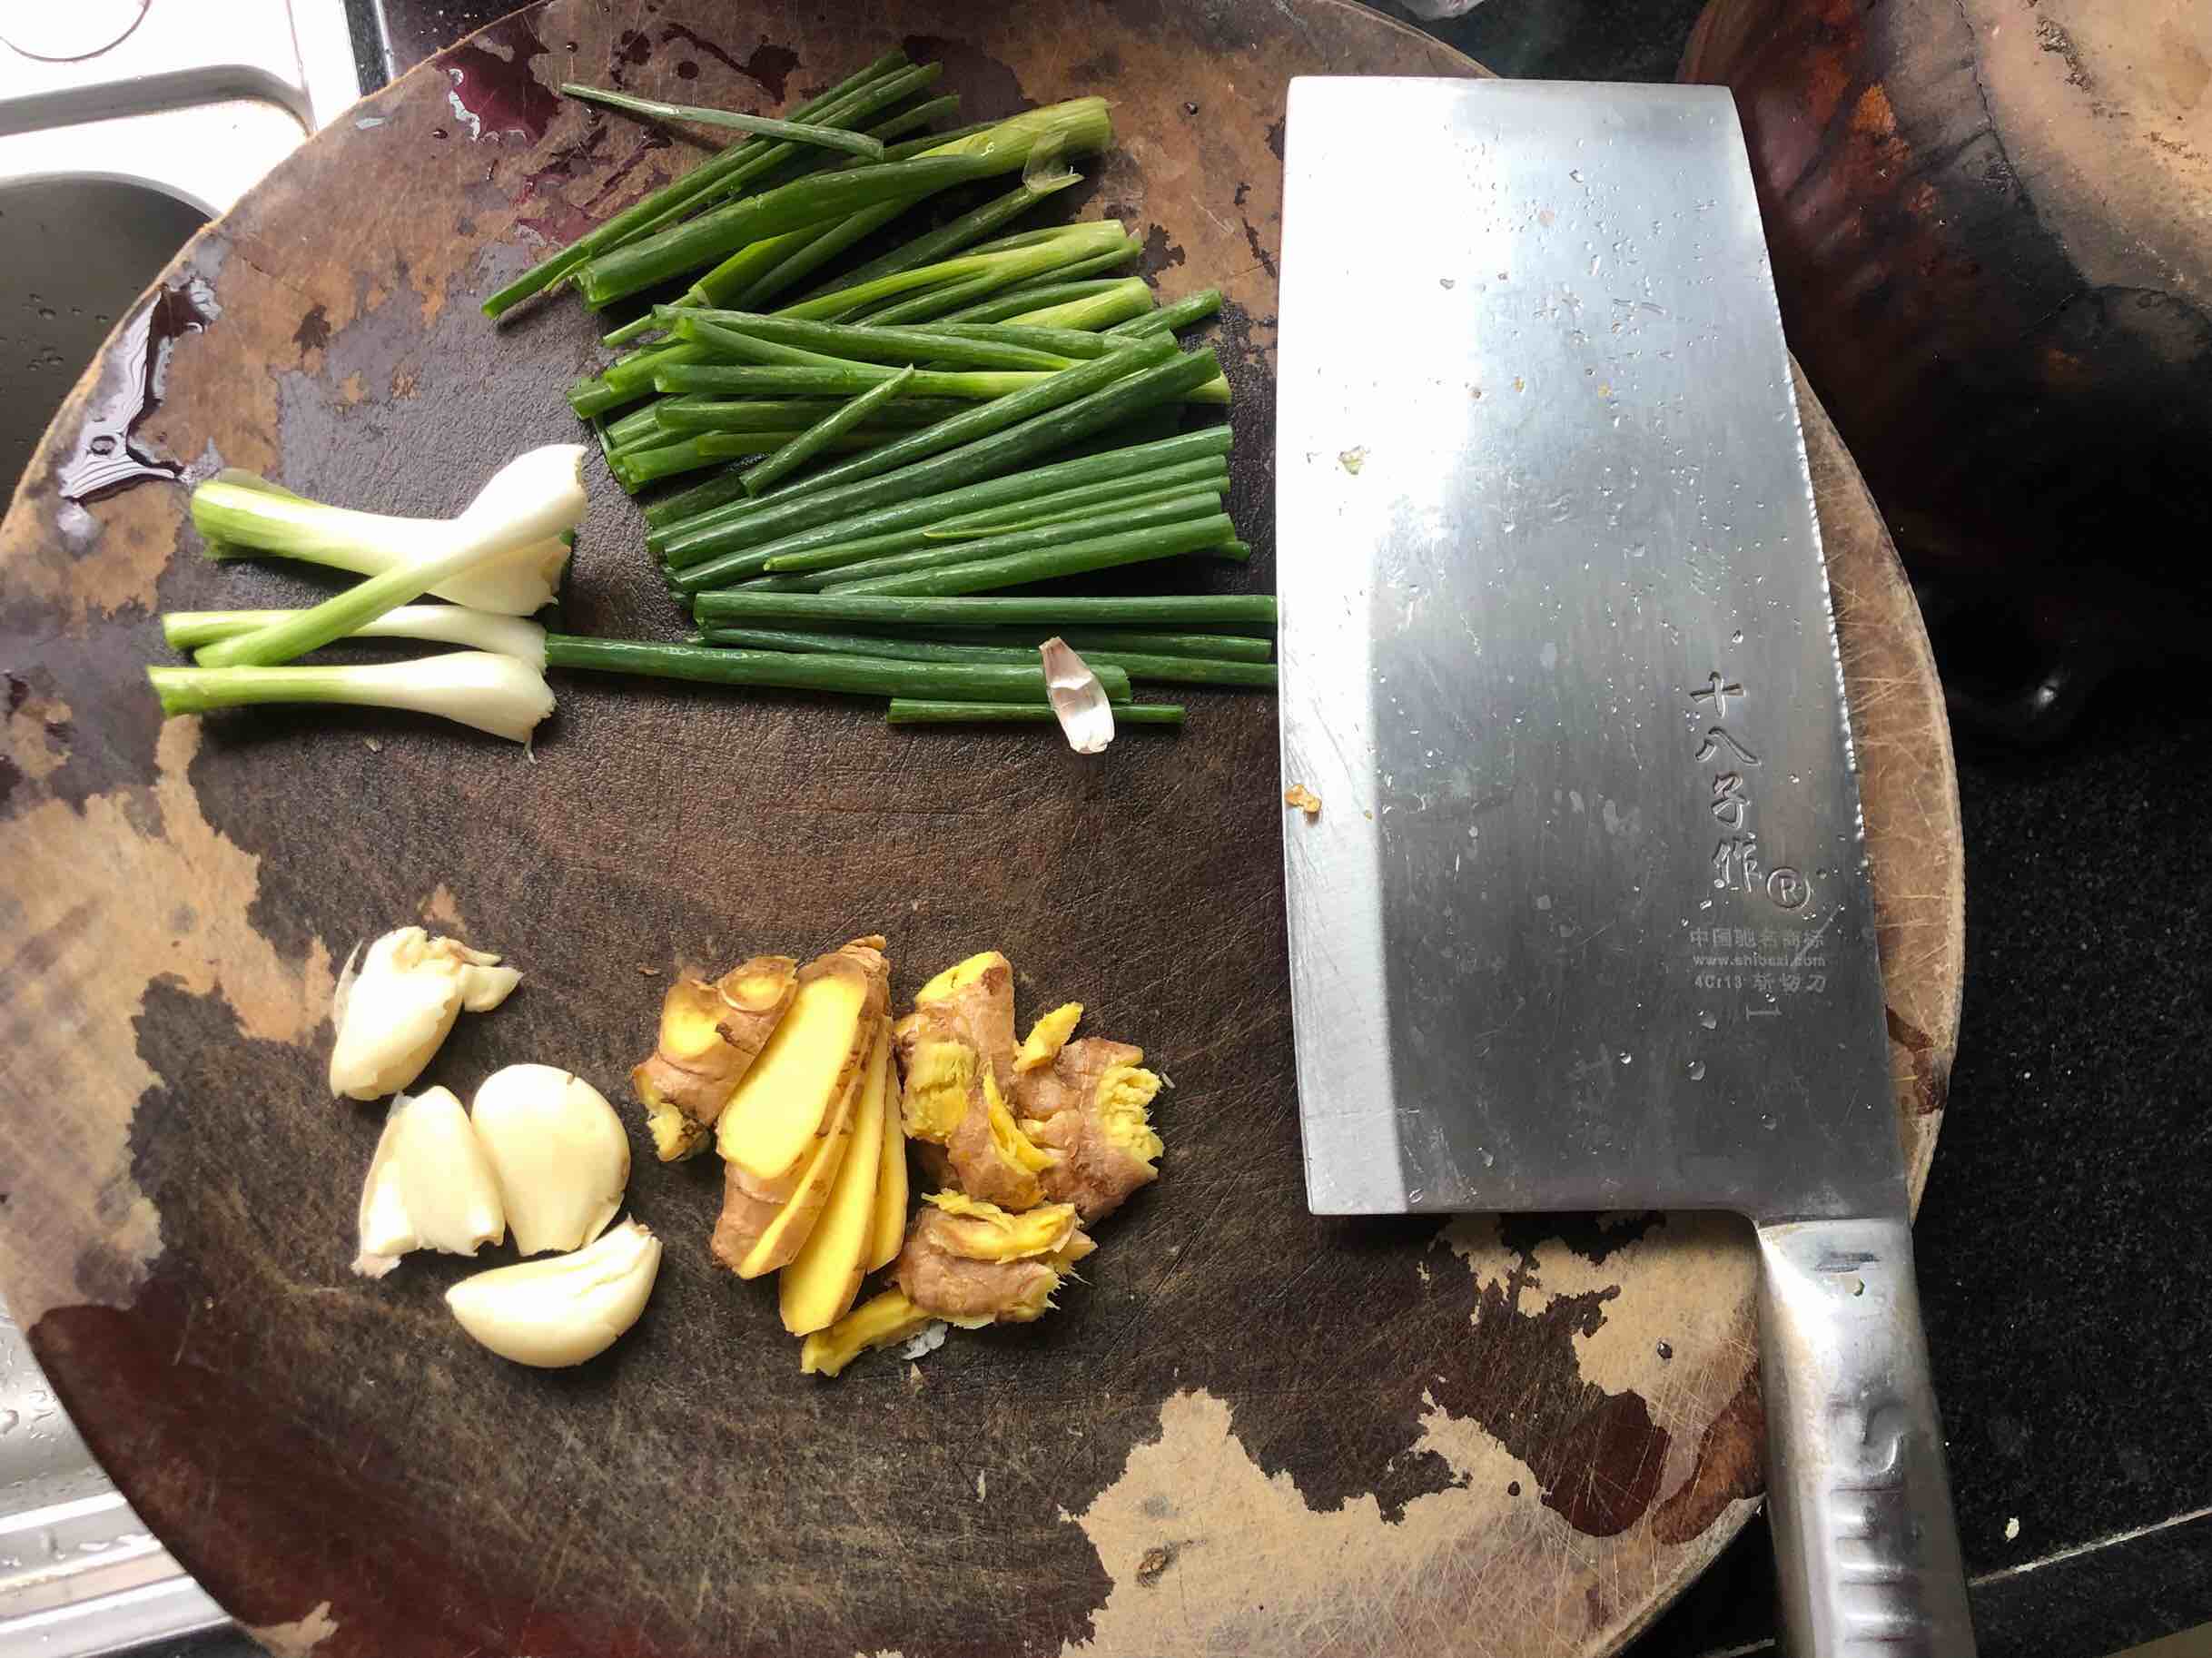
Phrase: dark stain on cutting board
(1247, 1430)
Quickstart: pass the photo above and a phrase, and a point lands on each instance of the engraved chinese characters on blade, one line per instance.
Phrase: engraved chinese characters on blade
(1736, 866)
(1768, 962)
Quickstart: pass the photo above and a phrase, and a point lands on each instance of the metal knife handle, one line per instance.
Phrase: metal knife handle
(1864, 1542)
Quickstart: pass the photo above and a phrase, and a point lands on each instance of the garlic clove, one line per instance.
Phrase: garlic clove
(562, 1312)
(559, 1151)
(429, 1186)
(394, 1010)
(483, 988)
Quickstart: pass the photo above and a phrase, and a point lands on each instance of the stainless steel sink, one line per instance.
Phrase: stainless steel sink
(125, 125)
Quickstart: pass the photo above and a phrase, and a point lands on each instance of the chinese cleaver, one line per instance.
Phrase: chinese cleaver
(1584, 921)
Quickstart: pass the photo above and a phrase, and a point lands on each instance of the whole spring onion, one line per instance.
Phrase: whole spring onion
(759, 126)
(1051, 289)
(1080, 126)
(682, 415)
(956, 234)
(1069, 243)
(734, 549)
(887, 345)
(1138, 665)
(811, 199)
(1066, 517)
(920, 509)
(1070, 558)
(957, 435)
(509, 636)
(1118, 641)
(1073, 343)
(1192, 308)
(818, 438)
(1201, 471)
(1036, 398)
(533, 497)
(750, 282)
(772, 165)
(1126, 301)
(692, 184)
(863, 676)
(726, 343)
(921, 711)
(730, 609)
(238, 513)
(634, 469)
(1122, 461)
(1130, 517)
(489, 690)
(847, 379)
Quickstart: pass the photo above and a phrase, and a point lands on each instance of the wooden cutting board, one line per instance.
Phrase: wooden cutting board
(1247, 1431)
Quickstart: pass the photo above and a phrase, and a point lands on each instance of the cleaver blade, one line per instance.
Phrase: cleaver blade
(1584, 921)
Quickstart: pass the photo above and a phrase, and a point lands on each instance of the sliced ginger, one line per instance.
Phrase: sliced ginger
(1047, 1036)
(877, 1322)
(709, 1036)
(888, 1231)
(770, 1129)
(823, 1279)
(758, 1232)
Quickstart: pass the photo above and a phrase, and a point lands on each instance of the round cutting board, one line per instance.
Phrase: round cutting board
(1247, 1430)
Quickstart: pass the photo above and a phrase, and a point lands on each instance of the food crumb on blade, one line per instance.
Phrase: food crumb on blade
(1297, 795)
(2012, 1528)
(1352, 460)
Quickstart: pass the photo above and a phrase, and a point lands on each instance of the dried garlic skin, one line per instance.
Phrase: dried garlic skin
(1079, 700)
(394, 1010)
(429, 1186)
(567, 1309)
(559, 1151)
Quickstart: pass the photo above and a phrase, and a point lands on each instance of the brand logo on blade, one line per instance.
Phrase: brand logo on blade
(1736, 866)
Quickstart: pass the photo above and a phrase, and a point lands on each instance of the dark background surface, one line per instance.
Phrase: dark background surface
(2063, 1269)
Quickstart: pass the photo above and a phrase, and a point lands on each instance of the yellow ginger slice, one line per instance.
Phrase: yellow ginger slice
(709, 1036)
(823, 1279)
(1047, 1036)
(772, 1126)
(878, 1322)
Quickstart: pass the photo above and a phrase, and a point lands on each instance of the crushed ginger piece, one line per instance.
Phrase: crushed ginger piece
(1297, 795)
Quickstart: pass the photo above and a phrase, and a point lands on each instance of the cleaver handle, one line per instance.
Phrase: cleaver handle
(1864, 1542)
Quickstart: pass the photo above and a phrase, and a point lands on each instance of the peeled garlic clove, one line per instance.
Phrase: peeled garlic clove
(429, 1186)
(484, 987)
(565, 1310)
(559, 1152)
(394, 1011)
